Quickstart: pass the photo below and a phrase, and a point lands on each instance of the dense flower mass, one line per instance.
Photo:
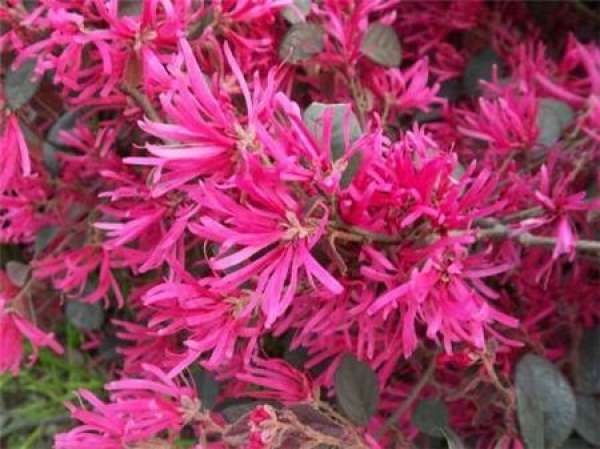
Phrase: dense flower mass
(305, 221)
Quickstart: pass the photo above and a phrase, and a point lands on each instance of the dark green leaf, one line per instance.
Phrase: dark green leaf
(17, 272)
(30, 5)
(44, 237)
(52, 144)
(233, 409)
(297, 11)
(545, 403)
(480, 67)
(453, 440)
(207, 386)
(344, 123)
(85, 316)
(312, 417)
(18, 84)
(381, 45)
(575, 443)
(130, 7)
(196, 30)
(342, 115)
(351, 170)
(356, 389)
(553, 117)
(301, 42)
(296, 357)
(431, 417)
(451, 89)
(587, 423)
(588, 362)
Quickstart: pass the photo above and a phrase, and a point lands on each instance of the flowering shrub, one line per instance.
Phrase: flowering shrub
(328, 224)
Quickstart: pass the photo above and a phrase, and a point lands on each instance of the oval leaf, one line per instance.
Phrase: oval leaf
(297, 11)
(453, 440)
(431, 417)
(356, 389)
(545, 403)
(130, 8)
(52, 142)
(19, 86)
(17, 272)
(587, 423)
(588, 362)
(301, 42)
(344, 123)
(575, 443)
(345, 130)
(381, 45)
(553, 117)
(207, 386)
(43, 238)
(480, 67)
(85, 316)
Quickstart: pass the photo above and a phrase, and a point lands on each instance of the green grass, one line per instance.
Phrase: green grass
(32, 404)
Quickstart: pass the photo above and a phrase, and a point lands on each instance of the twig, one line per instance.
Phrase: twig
(591, 14)
(525, 213)
(355, 233)
(528, 239)
(142, 101)
(414, 393)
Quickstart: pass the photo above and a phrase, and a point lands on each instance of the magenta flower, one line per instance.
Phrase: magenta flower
(446, 294)
(269, 243)
(139, 409)
(14, 157)
(14, 328)
(214, 324)
(280, 381)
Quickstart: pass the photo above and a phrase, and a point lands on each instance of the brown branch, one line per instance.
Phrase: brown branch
(412, 396)
(142, 101)
(527, 239)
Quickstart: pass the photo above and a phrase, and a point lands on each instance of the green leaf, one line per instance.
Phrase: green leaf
(207, 386)
(356, 389)
(545, 403)
(130, 8)
(480, 67)
(296, 357)
(17, 272)
(18, 84)
(431, 417)
(297, 11)
(553, 117)
(575, 443)
(342, 117)
(588, 362)
(381, 45)
(233, 409)
(84, 315)
(301, 42)
(587, 423)
(52, 143)
(453, 440)
(342, 114)
(351, 170)
(43, 238)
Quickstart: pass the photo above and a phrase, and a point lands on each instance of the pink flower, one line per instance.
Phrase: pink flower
(446, 294)
(280, 381)
(210, 323)
(139, 408)
(269, 243)
(14, 157)
(14, 327)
